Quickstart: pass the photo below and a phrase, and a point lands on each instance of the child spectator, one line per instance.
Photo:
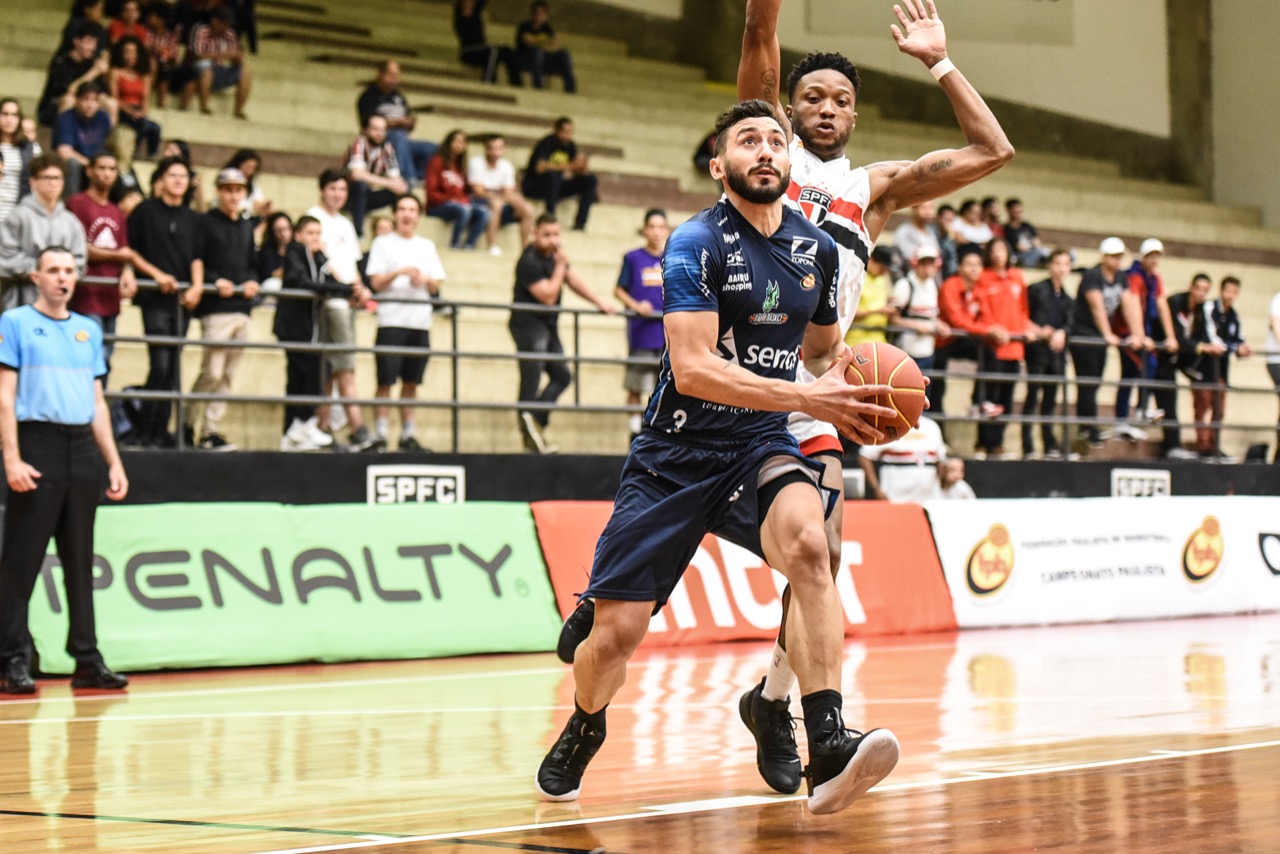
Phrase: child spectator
(449, 193)
(875, 309)
(640, 290)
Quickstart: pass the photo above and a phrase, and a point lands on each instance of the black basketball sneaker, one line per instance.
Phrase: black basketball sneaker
(771, 723)
(560, 775)
(575, 630)
(845, 764)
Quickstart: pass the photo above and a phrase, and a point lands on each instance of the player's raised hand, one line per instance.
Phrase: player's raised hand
(922, 34)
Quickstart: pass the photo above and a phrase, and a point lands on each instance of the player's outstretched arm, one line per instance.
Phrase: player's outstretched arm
(938, 173)
(760, 69)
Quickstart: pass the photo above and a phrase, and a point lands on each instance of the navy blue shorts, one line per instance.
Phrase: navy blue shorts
(671, 496)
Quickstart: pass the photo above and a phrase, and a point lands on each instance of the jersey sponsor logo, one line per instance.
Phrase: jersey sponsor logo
(82, 336)
(735, 259)
(804, 250)
(815, 203)
(772, 357)
(730, 238)
(703, 280)
(737, 282)
(808, 282)
(768, 316)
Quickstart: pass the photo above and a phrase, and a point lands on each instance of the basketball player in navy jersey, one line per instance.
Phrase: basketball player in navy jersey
(750, 291)
(852, 205)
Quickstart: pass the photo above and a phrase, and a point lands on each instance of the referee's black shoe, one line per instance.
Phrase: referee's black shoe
(560, 774)
(771, 723)
(98, 676)
(575, 630)
(17, 677)
(845, 764)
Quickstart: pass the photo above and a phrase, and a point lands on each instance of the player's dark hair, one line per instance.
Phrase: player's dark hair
(545, 219)
(818, 61)
(1229, 280)
(332, 176)
(741, 111)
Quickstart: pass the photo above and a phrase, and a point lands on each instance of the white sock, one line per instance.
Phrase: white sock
(635, 423)
(380, 426)
(406, 428)
(780, 678)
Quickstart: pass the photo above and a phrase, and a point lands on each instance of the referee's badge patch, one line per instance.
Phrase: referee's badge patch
(82, 335)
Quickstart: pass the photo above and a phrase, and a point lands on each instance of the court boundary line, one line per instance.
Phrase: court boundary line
(220, 825)
(719, 805)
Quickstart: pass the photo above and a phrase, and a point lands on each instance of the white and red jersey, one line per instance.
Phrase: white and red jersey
(833, 196)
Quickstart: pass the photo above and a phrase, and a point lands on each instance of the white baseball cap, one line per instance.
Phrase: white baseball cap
(1150, 245)
(1112, 246)
(926, 250)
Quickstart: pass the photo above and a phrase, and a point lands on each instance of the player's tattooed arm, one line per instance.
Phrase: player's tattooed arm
(760, 69)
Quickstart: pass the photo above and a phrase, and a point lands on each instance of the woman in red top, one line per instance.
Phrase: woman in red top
(130, 84)
(449, 193)
(1001, 293)
(128, 24)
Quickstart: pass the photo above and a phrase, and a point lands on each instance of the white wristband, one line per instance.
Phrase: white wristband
(942, 68)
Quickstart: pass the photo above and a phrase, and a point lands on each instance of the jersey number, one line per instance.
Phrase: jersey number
(679, 417)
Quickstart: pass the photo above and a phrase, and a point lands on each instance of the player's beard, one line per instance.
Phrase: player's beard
(740, 183)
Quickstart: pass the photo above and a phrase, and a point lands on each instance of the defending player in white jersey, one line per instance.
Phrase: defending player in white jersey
(853, 205)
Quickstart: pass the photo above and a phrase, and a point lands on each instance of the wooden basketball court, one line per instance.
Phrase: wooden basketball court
(1160, 736)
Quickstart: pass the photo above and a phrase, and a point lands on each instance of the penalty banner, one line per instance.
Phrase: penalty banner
(198, 585)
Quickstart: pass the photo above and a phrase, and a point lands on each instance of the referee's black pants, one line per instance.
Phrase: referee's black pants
(62, 506)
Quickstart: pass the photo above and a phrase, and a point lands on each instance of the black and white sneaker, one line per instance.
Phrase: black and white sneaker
(846, 764)
(771, 723)
(560, 774)
(575, 630)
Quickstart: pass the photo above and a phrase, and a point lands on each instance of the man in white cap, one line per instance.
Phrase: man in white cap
(916, 295)
(1097, 310)
(1147, 318)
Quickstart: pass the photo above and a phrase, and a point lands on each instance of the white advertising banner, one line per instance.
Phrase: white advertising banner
(1019, 562)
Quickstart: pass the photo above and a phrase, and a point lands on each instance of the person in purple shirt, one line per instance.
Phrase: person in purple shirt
(640, 290)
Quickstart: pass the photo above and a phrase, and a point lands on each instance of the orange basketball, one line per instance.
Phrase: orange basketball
(878, 363)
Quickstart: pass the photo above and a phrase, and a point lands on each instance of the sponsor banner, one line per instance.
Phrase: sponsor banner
(196, 585)
(1141, 483)
(890, 583)
(1017, 562)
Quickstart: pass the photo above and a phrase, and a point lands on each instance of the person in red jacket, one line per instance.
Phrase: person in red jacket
(1001, 295)
(449, 193)
(958, 308)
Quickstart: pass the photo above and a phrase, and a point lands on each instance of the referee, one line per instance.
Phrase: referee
(55, 433)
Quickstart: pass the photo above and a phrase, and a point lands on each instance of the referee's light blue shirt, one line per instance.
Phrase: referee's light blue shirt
(57, 362)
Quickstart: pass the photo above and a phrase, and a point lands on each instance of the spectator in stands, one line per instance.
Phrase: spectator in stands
(1023, 237)
(449, 193)
(541, 274)
(38, 221)
(1049, 307)
(1092, 324)
(245, 21)
(164, 45)
(639, 288)
(217, 61)
(916, 295)
(704, 153)
(473, 46)
(128, 23)
(337, 325)
(373, 169)
(969, 226)
(538, 50)
(905, 470)
(79, 133)
(162, 232)
(256, 204)
(129, 82)
(298, 320)
(557, 170)
(875, 308)
(917, 231)
(1145, 317)
(226, 249)
(1225, 325)
(405, 269)
(1273, 359)
(86, 16)
(951, 483)
(69, 70)
(949, 251)
(991, 215)
(958, 307)
(16, 153)
(189, 14)
(493, 179)
(194, 196)
(1002, 308)
(277, 235)
(384, 98)
(107, 235)
(1198, 349)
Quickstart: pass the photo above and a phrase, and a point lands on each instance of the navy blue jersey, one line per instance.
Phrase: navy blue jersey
(766, 290)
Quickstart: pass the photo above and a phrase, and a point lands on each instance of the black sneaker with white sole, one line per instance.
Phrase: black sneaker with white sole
(560, 774)
(844, 765)
(773, 727)
(575, 630)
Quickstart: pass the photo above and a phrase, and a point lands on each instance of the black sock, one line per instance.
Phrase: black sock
(822, 714)
(594, 719)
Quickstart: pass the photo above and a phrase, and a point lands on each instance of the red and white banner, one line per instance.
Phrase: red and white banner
(1021, 562)
(891, 581)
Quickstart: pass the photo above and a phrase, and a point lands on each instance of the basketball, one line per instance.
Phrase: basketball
(878, 363)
